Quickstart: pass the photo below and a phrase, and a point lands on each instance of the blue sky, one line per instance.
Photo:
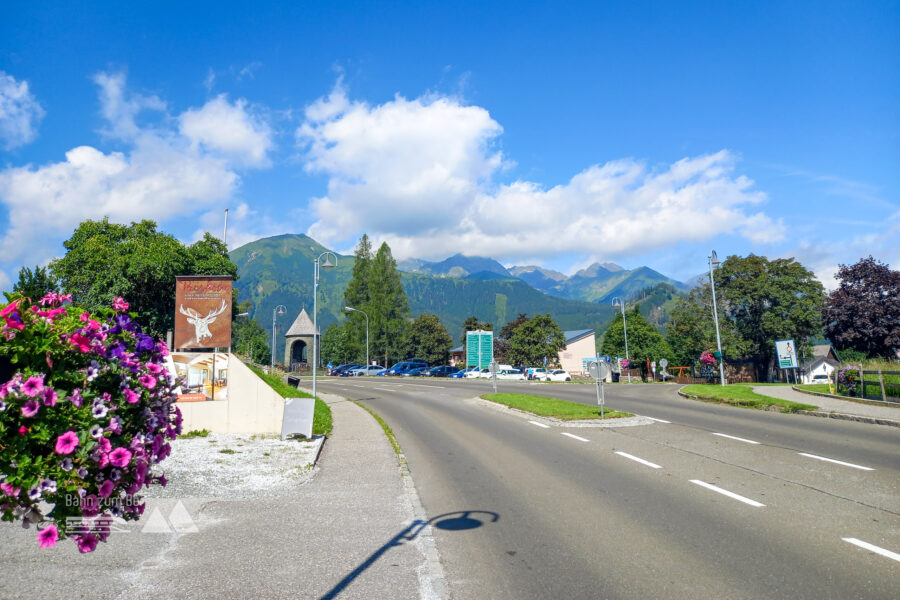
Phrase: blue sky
(536, 133)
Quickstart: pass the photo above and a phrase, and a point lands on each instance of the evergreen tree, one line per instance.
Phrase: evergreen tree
(35, 284)
(388, 307)
(357, 295)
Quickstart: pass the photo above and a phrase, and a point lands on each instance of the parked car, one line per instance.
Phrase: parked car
(463, 373)
(442, 371)
(559, 375)
(475, 373)
(416, 372)
(361, 371)
(515, 374)
(484, 374)
(537, 374)
(404, 367)
(338, 370)
(820, 378)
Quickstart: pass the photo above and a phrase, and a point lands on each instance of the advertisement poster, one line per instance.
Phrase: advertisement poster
(202, 312)
(786, 352)
(203, 375)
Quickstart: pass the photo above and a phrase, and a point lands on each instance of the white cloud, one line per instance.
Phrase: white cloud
(20, 112)
(5, 282)
(163, 175)
(420, 175)
(229, 129)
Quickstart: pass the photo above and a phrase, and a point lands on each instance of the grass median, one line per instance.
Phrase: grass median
(322, 422)
(741, 394)
(554, 407)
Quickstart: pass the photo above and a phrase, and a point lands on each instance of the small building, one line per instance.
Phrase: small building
(457, 356)
(824, 361)
(580, 344)
(298, 342)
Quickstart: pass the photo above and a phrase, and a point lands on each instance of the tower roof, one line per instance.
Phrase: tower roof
(303, 325)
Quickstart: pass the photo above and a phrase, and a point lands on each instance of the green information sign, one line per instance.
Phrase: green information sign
(479, 348)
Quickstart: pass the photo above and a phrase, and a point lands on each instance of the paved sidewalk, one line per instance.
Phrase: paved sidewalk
(854, 411)
(346, 533)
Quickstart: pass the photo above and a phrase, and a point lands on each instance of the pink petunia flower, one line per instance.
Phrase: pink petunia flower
(29, 409)
(66, 443)
(82, 343)
(48, 536)
(50, 396)
(119, 304)
(106, 488)
(131, 396)
(10, 308)
(9, 490)
(23, 430)
(33, 386)
(120, 457)
(148, 381)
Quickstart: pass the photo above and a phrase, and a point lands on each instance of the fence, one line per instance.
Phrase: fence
(872, 385)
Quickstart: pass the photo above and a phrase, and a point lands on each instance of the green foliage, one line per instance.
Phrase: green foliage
(104, 260)
(357, 295)
(473, 324)
(34, 284)
(427, 338)
(741, 395)
(196, 433)
(771, 300)
(644, 341)
(553, 407)
(863, 314)
(249, 337)
(388, 306)
(336, 348)
(692, 330)
(535, 339)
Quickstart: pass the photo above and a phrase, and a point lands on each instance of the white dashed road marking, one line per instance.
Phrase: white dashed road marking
(539, 424)
(732, 495)
(731, 437)
(660, 420)
(873, 548)
(575, 437)
(837, 462)
(640, 460)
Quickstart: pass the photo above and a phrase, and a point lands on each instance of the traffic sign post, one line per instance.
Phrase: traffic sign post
(663, 363)
(599, 371)
(493, 367)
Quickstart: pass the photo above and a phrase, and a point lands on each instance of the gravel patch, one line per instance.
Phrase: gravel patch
(236, 466)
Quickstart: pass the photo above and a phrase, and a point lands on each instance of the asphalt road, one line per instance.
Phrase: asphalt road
(707, 502)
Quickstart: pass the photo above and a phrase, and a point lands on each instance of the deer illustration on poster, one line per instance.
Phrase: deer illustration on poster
(201, 324)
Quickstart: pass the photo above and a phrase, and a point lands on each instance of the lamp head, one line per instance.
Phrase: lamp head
(713, 258)
(616, 301)
(328, 264)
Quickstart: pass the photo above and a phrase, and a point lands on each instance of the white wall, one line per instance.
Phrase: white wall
(570, 357)
(252, 406)
(822, 369)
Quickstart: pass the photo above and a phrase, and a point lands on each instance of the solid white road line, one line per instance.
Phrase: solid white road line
(731, 437)
(732, 495)
(575, 437)
(873, 548)
(539, 424)
(660, 420)
(837, 462)
(426, 386)
(640, 460)
(384, 389)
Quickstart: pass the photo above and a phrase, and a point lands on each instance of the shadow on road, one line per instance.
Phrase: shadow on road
(460, 520)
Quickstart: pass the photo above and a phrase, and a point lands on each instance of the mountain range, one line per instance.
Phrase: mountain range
(278, 270)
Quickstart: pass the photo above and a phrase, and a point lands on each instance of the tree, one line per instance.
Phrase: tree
(691, 328)
(388, 307)
(473, 324)
(501, 340)
(771, 300)
(535, 339)
(249, 337)
(863, 313)
(104, 260)
(335, 346)
(357, 295)
(427, 339)
(35, 284)
(645, 343)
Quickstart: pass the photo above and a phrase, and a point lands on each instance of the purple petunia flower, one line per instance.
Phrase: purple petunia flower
(106, 488)
(66, 443)
(96, 431)
(34, 493)
(30, 408)
(86, 542)
(66, 464)
(50, 396)
(82, 472)
(48, 536)
(33, 386)
(99, 411)
(48, 485)
(2, 406)
(76, 398)
(148, 381)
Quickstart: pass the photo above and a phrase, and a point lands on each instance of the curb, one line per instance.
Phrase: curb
(829, 415)
(847, 398)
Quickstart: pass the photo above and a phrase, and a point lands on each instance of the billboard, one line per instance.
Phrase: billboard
(202, 311)
(479, 348)
(786, 352)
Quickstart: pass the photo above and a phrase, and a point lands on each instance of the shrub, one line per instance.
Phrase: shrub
(84, 416)
(848, 379)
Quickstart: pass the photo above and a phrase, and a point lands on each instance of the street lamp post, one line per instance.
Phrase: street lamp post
(714, 260)
(619, 302)
(278, 310)
(351, 309)
(326, 265)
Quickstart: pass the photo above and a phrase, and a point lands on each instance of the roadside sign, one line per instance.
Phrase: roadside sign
(594, 369)
(493, 367)
(663, 363)
(786, 351)
(479, 348)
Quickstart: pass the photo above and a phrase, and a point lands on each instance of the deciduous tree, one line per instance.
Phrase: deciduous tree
(535, 339)
(427, 339)
(645, 343)
(863, 313)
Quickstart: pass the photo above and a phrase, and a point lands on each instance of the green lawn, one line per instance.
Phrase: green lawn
(822, 388)
(741, 394)
(553, 407)
(322, 423)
